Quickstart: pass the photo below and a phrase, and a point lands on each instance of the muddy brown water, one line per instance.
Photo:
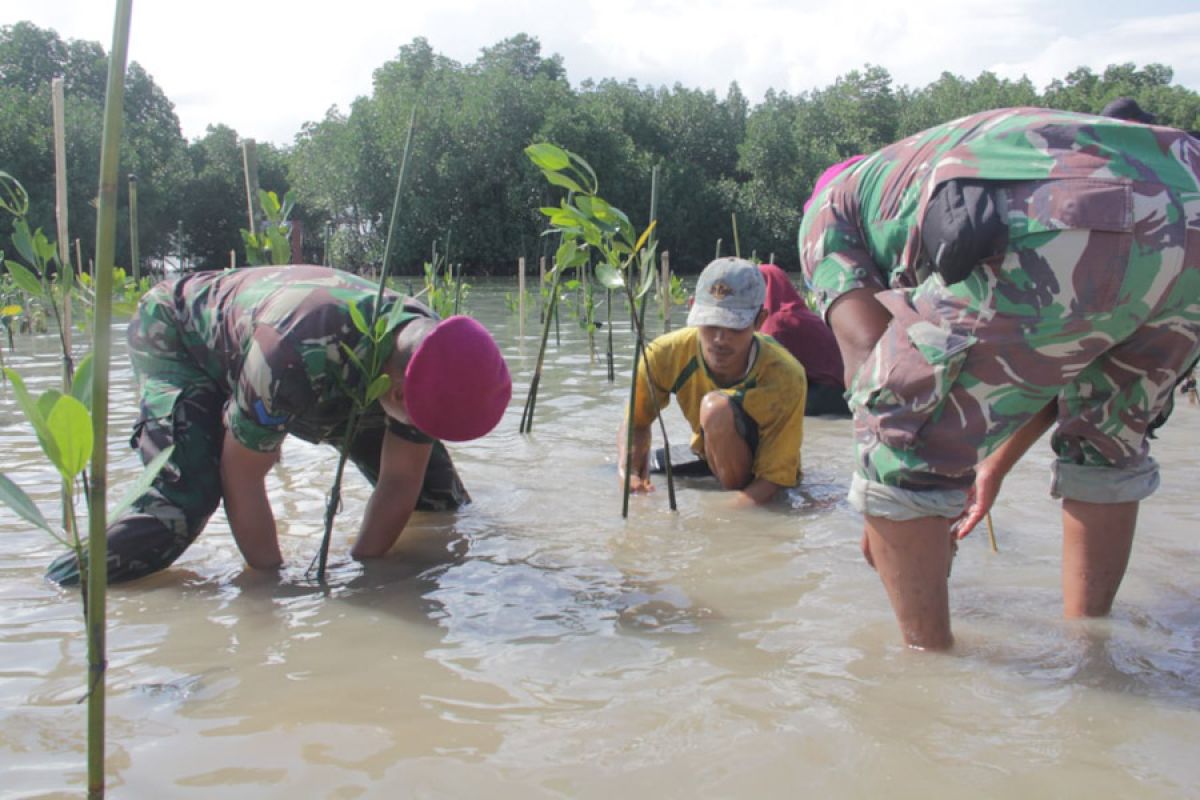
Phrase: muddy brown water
(538, 645)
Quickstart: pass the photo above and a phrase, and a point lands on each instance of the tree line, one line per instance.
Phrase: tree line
(469, 184)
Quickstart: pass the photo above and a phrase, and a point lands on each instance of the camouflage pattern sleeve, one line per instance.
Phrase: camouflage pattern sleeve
(272, 389)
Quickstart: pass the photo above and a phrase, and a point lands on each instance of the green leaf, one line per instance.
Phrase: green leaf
(24, 278)
(81, 386)
(16, 499)
(71, 425)
(558, 179)
(378, 387)
(34, 415)
(142, 484)
(359, 320)
(647, 279)
(23, 241)
(609, 276)
(564, 253)
(354, 359)
(548, 156)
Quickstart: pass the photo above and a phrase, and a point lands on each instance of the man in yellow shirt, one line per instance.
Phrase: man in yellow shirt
(741, 391)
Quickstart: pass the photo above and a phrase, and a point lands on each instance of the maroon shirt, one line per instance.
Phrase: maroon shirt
(801, 331)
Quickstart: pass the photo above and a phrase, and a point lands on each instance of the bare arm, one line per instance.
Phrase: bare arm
(401, 473)
(243, 486)
(991, 471)
(857, 320)
(640, 481)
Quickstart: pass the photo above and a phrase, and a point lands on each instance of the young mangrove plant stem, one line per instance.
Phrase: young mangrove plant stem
(551, 315)
(333, 502)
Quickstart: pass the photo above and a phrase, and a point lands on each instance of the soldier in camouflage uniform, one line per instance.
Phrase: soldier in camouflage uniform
(228, 365)
(985, 279)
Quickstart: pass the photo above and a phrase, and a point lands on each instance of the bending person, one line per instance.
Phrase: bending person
(230, 363)
(987, 279)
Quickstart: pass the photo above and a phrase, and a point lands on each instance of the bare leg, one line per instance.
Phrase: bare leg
(913, 560)
(1097, 538)
(727, 453)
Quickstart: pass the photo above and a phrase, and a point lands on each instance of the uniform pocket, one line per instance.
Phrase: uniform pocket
(909, 374)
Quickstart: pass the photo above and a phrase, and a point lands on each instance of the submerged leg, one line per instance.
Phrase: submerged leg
(1097, 540)
(912, 558)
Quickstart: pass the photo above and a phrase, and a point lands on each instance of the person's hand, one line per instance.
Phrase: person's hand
(980, 498)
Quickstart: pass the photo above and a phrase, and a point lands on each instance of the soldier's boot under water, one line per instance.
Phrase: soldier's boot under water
(138, 545)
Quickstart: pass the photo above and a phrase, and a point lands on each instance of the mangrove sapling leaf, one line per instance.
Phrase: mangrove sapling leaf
(609, 276)
(25, 279)
(548, 156)
(71, 426)
(558, 179)
(13, 197)
(35, 416)
(15, 498)
(360, 322)
(140, 486)
(81, 385)
(378, 388)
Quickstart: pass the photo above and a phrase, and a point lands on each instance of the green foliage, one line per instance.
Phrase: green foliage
(718, 153)
(272, 245)
(63, 426)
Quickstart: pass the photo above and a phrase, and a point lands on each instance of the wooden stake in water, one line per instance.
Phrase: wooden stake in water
(60, 207)
(134, 255)
(250, 168)
(664, 287)
(521, 298)
(991, 533)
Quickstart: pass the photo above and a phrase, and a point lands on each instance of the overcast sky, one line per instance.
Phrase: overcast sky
(265, 68)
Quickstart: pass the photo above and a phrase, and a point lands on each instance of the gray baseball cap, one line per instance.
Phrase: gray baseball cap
(729, 294)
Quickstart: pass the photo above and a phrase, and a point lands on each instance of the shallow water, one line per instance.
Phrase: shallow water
(538, 645)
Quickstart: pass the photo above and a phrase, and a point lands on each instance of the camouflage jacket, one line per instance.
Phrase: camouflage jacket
(272, 338)
(864, 228)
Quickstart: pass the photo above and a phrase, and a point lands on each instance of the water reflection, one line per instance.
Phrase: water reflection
(537, 644)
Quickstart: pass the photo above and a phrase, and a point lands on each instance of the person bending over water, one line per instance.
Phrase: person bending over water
(229, 363)
(986, 279)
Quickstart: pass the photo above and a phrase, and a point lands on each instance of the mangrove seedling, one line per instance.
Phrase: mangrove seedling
(587, 224)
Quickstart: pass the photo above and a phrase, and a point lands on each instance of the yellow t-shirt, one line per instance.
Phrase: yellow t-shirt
(772, 394)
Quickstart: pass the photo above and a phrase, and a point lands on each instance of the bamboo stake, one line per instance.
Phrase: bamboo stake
(250, 169)
(737, 245)
(664, 288)
(991, 533)
(60, 193)
(106, 229)
(64, 258)
(521, 298)
(612, 374)
(134, 255)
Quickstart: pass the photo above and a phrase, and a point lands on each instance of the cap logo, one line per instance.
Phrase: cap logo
(720, 290)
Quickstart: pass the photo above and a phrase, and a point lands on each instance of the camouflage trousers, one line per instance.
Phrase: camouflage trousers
(1097, 311)
(181, 405)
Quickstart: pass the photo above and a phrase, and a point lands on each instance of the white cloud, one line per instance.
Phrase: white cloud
(265, 68)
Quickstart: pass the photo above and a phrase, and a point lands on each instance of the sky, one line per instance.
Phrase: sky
(266, 68)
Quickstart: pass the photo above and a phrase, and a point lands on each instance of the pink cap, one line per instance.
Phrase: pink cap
(456, 385)
(829, 174)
